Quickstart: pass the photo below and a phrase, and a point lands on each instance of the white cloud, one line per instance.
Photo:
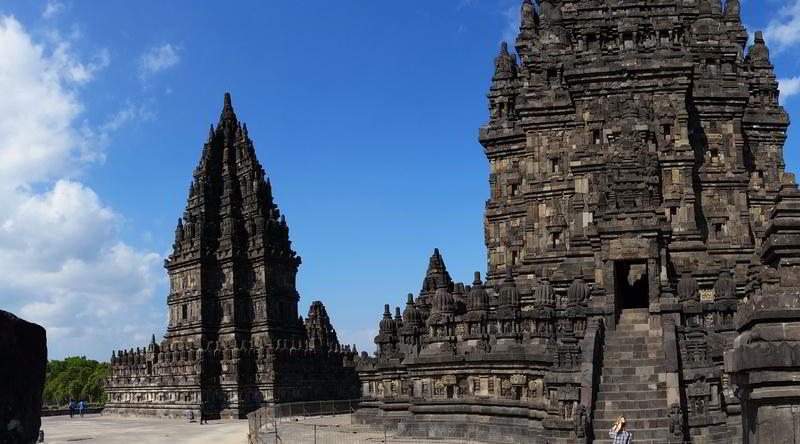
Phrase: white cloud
(784, 31)
(62, 263)
(158, 58)
(788, 87)
(52, 9)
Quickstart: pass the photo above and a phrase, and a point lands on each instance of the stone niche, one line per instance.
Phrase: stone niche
(23, 365)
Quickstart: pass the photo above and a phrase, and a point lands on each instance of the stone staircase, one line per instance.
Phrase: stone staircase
(630, 384)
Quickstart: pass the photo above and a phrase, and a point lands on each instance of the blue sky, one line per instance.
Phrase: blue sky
(364, 114)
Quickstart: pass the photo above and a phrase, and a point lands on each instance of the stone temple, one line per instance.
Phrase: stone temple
(643, 243)
(234, 341)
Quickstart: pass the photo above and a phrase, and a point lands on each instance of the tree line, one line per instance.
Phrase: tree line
(75, 378)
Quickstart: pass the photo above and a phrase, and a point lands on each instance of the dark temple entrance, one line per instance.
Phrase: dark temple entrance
(631, 284)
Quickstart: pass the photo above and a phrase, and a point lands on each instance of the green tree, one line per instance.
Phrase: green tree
(75, 378)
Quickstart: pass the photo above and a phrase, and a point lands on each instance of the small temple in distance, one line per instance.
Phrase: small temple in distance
(643, 244)
(234, 340)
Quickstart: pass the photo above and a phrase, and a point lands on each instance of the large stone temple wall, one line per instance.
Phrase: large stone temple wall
(234, 341)
(638, 209)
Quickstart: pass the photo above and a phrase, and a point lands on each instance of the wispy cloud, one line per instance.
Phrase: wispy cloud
(465, 4)
(511, 29)
(158, 58)
(53, 8)
(784, 31)
(127, 114)
(788, 88)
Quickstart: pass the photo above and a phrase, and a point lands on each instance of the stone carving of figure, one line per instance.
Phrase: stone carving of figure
(687, 288)
(676, 421)
(581, 421)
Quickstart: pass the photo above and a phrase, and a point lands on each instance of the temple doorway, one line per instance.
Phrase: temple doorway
(631, 279)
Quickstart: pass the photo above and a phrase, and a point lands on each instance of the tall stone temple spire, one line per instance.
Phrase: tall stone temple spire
(232, 303)
(642, 237)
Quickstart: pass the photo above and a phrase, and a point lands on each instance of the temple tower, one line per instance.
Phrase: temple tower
(234, 339)
(641, 233)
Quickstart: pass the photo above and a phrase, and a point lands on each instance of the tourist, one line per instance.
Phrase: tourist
(203, 416)
(618, 433)
(71, 406)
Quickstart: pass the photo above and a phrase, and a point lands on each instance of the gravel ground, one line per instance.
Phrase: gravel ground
(117, 430)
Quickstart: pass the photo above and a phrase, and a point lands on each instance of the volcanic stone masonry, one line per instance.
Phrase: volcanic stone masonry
(643, 243)
(234, 341)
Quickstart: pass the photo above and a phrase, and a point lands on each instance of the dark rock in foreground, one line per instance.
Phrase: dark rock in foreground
(23, 364)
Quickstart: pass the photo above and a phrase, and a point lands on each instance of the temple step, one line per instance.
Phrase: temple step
(631, 382)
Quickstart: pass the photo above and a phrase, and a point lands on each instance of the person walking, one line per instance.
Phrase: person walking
(618, 433)
(71, 406)
(203, 413)
(81, 407)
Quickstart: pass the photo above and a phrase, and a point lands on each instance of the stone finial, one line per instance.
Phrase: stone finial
(443, 301)
(387, 324)
(505, 64)
(758, 51)
(508, 293)
(528, 15)
(478, 298)
(227, 119)
(411, 316)
(732, 10)
(435, 275)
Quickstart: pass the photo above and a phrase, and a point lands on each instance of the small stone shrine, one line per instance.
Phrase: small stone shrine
(643, 244)
(234, 341)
